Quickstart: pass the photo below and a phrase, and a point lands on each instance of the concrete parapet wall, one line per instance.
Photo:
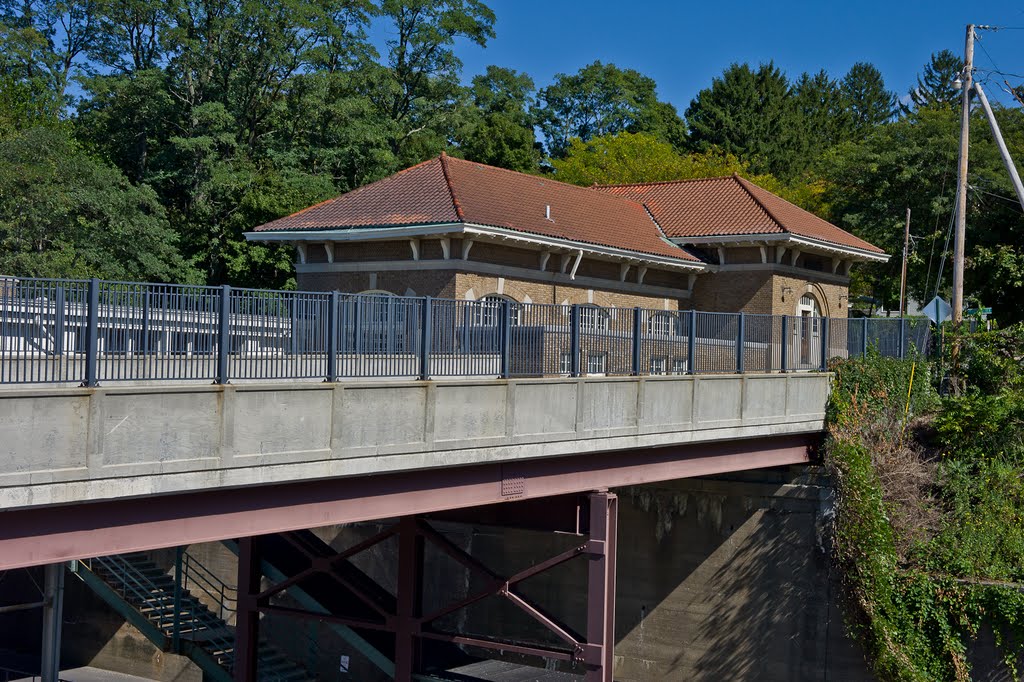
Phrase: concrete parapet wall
(64, 445)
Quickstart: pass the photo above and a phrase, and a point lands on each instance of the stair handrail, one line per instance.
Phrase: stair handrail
(207, 582)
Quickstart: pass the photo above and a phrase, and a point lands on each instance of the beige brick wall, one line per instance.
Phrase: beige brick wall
(748, 292)
(437, 283)
(762, 292)
(831, 297)
(479, 286)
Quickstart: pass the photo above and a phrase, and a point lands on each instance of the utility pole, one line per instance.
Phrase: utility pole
(1018, 187)
(903, 276)
(961, 196)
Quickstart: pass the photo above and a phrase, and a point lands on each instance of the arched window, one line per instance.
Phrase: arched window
(808, 307)
(594, 318)
(662, 324)
(487, 311)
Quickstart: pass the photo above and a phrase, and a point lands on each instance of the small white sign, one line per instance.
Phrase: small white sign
(344, 664)
(937, 310)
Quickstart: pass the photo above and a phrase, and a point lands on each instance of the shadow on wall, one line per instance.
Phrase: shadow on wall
(726, 580)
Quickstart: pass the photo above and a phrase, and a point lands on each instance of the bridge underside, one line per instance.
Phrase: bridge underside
(35, 536)
(410, 621)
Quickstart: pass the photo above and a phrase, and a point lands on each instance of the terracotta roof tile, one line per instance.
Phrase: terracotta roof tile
(448, 190)
(415, 196)
(731, 205)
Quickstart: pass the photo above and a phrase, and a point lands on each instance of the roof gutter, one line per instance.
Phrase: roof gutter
(356, 234)
(583, 247)
(469, 229)
(785, 238)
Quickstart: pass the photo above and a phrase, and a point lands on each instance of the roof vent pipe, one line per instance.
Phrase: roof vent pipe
(547, 212)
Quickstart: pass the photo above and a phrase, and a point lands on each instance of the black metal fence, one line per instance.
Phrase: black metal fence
(92, 331)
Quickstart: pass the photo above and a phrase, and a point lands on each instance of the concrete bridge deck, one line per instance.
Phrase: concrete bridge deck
(229, 460)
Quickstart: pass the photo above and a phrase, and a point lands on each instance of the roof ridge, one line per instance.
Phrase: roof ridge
(563, 183)
(743, 183)
(451, 188)
(661, 182)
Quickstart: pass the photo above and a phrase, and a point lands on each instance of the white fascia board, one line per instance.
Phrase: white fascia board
(786, 238)
(403, 232)
(355, 234)
(567, 244)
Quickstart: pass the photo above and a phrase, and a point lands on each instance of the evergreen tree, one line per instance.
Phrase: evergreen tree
(751, 114)
(868, 102)
(935, 84)
(824, 118)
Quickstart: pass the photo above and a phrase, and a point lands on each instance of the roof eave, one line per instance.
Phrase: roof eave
(350, 234)
(385, 232)
(595, 249)
(851, 252)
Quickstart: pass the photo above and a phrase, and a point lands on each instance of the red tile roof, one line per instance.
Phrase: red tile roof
(448, 190)
(731, 205)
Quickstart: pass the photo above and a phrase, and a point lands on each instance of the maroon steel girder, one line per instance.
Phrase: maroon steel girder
(35, 536)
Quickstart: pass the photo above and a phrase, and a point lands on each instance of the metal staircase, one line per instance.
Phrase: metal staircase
(173, 617)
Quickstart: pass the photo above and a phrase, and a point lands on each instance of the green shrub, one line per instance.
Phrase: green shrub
(916, 601)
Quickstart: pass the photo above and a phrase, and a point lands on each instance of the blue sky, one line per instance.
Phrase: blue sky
(683, 45)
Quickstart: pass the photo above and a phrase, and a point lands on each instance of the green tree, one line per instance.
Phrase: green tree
(499, 128)
(636, 157)
(46, 42)
(913, 162)
(935, 83)
(64, 213)
(629, 158)
(868, 102)
(751, 114)
(602, 99)
(418, 89)
(824, 118)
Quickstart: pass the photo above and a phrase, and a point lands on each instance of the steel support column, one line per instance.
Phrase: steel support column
(53, 613)
(409, 598)
(604, 507)
(247, 622)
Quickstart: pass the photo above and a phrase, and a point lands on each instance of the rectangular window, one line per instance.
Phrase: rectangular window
(597, 363)
(565, 363)
(659, 365)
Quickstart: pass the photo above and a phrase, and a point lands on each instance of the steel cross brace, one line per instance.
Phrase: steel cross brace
(410, 625)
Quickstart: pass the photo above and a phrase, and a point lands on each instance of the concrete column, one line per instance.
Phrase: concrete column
(601, 587)
(53, 613)
(247, 621)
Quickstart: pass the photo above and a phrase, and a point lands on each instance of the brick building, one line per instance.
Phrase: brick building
(450, 228)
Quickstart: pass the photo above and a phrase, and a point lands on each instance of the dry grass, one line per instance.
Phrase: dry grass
(906, 470)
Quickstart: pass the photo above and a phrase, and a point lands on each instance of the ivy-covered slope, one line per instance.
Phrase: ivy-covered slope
(929, 527)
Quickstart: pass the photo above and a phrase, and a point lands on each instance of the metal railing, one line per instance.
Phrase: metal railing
(92, 331)
(202, 582)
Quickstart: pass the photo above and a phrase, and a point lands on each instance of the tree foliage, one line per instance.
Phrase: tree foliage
(868, 101)
(64, 213)
(234, 112)
(749, 113)
(912, 163)
(602, 99)
(498, 127)
(629, 158)
(928, 531)
(935, 84)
